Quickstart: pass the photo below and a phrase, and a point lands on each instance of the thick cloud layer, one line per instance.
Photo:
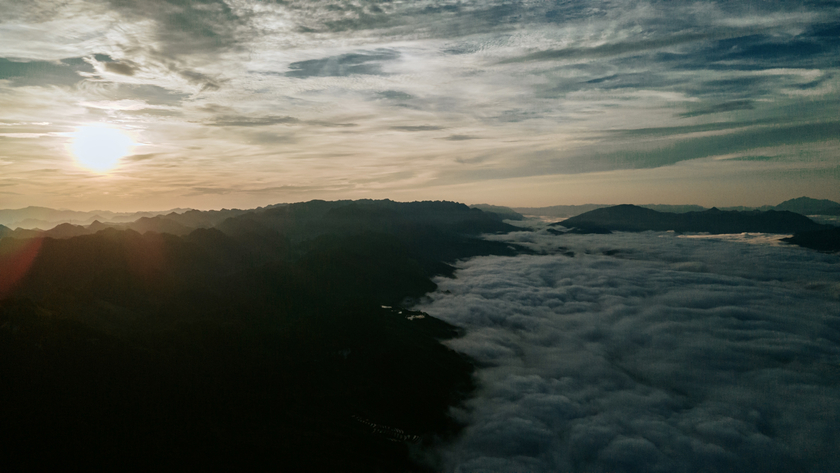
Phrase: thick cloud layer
(648, 352)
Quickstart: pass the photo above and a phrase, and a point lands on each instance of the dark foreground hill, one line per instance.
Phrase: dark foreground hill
(275, 340)
(827, 239)
(630, 218)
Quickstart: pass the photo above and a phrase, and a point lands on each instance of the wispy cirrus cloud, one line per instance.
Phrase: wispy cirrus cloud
(552, 88)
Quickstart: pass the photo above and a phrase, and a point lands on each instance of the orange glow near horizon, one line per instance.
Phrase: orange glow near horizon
(16, 257)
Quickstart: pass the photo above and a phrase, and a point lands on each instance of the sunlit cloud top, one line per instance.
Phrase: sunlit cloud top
(246, 102)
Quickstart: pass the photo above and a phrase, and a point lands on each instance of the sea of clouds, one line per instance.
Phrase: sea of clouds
(647, 352)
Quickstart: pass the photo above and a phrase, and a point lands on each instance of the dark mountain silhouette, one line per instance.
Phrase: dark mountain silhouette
(4, 231)
(42, 217)
(830, 211)
(305, 220)
(40, 214)
(631, 218)
(173, 223)
(267, 340)
(566, 211)
(809, 206)
(677, 209)
(506, 213)
(827, 239)
(559, 211)
(159, 224)
(25, 233)
(203, 218)
(97, 226)
(65, 230)
(801, 205)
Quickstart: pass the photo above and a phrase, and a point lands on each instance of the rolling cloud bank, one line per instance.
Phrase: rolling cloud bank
(647, 352)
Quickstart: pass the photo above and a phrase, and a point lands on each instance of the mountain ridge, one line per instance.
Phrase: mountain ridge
(37, 218)
(632, 218)
(802, 205)
(278, 336)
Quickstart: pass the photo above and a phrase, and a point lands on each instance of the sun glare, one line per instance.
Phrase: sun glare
(99, 147)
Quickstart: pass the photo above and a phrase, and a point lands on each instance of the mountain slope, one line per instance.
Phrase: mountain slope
(809, 206)
(267, 341)
(822, 240)
(631, 218)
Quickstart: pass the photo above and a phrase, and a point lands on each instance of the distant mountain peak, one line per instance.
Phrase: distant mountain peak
(808, 206)
(630, 218)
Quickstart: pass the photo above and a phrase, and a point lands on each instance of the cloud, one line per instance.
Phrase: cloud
(123, 105)
(461, 138)
(395, 95)
(238, 120)
(413, 19)
(23, 135)
(41, 73)
(151, 94)
(647, 352)
(417, 128)
(258, 121)
(186, 26)
(729, 106)
(607, 50)
(706, 146)
(688, 129)
(763, 50)
(139, 157)
(119, 68)
(755, 158)
(210, 191)
(205, 81)
(198, 191)
(365, 63)
(550, 88)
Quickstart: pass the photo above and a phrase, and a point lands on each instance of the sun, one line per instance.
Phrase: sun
(100, 147)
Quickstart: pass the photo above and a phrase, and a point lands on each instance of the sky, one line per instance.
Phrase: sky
(245, 103)
(646, 352)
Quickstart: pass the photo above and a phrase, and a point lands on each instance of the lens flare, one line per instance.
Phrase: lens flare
(99, 148)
